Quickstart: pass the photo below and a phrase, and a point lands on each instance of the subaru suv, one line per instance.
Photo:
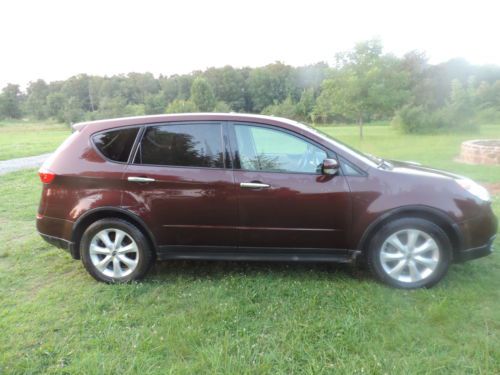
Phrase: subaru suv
(119, 194)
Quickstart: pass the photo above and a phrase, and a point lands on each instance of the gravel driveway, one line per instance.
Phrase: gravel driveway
(12, 165)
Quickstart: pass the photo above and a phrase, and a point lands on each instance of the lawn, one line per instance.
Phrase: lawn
(243, 318)
(26, 138)
(438, 151)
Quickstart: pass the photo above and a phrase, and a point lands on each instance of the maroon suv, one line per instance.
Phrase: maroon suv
(120, 193)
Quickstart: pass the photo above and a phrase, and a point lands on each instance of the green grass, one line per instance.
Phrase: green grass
(438, 150)
(24, 138)
(236, 317)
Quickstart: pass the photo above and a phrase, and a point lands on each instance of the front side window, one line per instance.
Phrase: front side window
(187, 145)
(116, 144)
(269, 150)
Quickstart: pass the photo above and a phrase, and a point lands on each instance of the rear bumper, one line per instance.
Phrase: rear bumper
(476, 252)
(61, 244)
(57, 232)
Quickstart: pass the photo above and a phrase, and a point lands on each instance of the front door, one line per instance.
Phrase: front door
(284, 201)
(179, 183)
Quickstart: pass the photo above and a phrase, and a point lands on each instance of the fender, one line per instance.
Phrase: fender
(121, 212)
(422, 210)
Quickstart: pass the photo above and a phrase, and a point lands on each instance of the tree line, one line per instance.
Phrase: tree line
(364, 84)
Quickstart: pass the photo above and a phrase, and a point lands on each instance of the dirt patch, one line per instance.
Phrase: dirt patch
(493, 188)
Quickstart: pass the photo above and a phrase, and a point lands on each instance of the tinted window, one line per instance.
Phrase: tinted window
(190, 145)
(116, 144)
(265, 149)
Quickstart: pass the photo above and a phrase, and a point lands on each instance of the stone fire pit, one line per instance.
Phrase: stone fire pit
(480, 151)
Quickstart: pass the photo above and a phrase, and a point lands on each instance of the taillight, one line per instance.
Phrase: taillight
(46, 176)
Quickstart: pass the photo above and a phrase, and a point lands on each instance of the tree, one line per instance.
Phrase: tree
(456, 115)
(10, 101)
(155, 103)
(72, 111)
(285, 109)
(176, 87)
(367, 84)
(311, 76)
(202, 95)
(305, 105)
(112, 108)
(55, 105)
(272, 84)
(229, 85)
(363, 85)
(181, 106)
(36, 101)
(222, 107)
(137, 86)
(78, 89)
(487, 101)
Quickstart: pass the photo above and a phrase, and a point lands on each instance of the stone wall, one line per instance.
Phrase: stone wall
(481, 151)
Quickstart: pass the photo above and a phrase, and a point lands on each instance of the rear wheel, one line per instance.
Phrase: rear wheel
(114, 250)
(410, 253)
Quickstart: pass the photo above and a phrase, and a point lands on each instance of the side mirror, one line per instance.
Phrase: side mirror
(330, 167)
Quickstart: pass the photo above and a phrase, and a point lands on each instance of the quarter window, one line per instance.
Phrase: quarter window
(116, 144)
(269, 150)
(349, 169)
(188, 145)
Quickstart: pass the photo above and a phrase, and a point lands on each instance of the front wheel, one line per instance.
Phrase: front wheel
(410, 253)
(114, 250)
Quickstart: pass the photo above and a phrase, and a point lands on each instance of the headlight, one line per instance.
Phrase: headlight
(474, 188)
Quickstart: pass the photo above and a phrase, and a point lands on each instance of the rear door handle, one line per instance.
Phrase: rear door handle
(254, 185)
(140, 179)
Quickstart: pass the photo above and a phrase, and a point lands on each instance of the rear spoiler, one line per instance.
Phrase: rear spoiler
(78, 126)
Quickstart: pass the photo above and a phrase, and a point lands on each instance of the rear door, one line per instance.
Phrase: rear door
(284, 201)
(180, 184)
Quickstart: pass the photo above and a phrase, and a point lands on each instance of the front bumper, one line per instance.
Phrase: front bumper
(478, 235)
(476, 252)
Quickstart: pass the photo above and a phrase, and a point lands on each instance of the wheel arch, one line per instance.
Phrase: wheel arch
(431, 214)
(91, 216)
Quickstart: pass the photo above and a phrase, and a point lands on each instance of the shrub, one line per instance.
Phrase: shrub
(134, 110)
(489, 115)
(456, 115)
(222, 107)
(285, 109)
(420, 120)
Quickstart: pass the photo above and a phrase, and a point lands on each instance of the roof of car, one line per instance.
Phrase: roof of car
(152, 119)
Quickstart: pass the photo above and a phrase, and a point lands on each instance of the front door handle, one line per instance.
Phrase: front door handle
(140, 179)
(254, 185)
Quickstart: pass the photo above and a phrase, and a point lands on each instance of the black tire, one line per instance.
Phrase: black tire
(144, 252)
(432, 230)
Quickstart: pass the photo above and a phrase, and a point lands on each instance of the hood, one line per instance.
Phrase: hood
(416, 169)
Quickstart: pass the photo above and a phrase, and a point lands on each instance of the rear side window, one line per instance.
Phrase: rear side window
(187, 145)
(116, 144)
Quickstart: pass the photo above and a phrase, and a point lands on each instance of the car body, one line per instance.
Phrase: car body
(251, 187)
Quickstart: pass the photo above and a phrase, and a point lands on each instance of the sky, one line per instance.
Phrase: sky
(54, 40)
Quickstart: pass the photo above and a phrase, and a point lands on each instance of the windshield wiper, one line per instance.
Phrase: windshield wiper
(384, 164)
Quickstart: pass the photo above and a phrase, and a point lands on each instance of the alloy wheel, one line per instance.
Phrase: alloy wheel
(114, 253)
(409, 255)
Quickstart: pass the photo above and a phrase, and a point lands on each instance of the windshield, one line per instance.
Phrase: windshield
(366, 158)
